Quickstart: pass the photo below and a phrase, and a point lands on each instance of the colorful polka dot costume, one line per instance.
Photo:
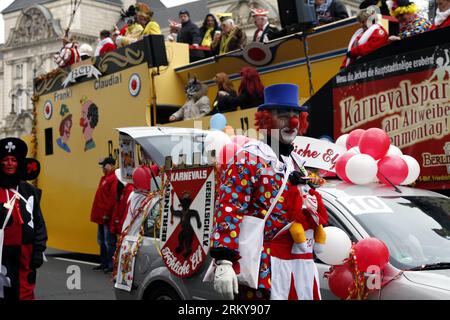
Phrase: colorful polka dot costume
(248, 188)
(416, 26)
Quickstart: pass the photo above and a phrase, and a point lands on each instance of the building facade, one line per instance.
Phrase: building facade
(33, 31)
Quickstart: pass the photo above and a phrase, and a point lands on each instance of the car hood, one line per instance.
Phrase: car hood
(433, 278)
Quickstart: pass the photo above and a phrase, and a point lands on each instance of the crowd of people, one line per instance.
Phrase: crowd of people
(211, 38)
(219, 34)
(250, 94)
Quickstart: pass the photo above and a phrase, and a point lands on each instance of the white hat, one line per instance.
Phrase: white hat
(86, 50)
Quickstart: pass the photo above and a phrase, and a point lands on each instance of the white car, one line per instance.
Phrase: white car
(414, 224)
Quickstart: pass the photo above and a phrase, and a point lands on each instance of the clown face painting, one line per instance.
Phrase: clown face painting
(88, 122)
(64, 133)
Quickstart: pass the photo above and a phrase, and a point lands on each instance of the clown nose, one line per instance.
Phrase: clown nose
(294, 122)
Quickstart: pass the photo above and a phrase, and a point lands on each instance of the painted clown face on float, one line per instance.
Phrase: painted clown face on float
(281, 116)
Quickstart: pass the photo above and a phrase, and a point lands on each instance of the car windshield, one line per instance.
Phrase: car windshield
(159, 147)
(416, 230)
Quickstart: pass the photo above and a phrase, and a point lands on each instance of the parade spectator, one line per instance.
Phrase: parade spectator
(264, 30)
(197, 102)
(144, 17)
(368, 38)
(442, 18)
(102, 210)
(68, 54)
(189, 33)
(381, 4)
(224, 88)
(23, 233)
(207, 31)
(124, 190)
(86, 51)
(250, 93)
(410, 22)
(231, 38)
(131, 31)
(328, 11)
(106, 44)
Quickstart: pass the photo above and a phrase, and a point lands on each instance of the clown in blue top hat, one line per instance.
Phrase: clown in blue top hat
(267, 179)
(281, 115)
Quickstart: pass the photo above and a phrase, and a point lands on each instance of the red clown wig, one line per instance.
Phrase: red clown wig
(264, 120)
(251, 82)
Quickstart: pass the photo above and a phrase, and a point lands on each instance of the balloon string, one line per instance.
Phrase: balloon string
(381, 173)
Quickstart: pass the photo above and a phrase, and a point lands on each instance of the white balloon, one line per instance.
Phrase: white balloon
(393, 150)
(354, 150)
(337, 247)
(361, 169)
(342, 140)
(215, 140)
(413, 169)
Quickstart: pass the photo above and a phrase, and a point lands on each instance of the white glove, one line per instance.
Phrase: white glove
(225, 279)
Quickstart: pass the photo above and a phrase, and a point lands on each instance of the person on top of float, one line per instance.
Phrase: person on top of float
(23, 234)
(411, 23)
(368, 38)
(442, 18)
(68, 54)
(265, 31)
(269, 179)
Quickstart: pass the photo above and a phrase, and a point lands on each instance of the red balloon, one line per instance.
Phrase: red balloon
(240, 140)
(141, 178)
(353, 138)
(227, 153)
(393, 168)
(341, 280)
(341, 162)
(371, 252)
(155, 170)
(374, 142)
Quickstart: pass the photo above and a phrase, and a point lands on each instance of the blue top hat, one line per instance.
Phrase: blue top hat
(281, 96)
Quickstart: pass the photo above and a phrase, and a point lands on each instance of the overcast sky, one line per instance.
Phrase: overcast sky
(3, 5)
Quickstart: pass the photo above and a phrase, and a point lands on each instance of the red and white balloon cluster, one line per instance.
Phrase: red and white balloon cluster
(371, 157)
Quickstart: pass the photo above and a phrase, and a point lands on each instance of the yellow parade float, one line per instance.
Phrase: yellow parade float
(135, 86)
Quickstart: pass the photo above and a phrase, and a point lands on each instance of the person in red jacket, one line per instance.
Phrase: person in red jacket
(102, 210)
(442, 18)
(106, 44)
(366, 39)
(124, 191)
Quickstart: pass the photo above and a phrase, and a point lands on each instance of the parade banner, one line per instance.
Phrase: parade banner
(408, 96)
(188, 208)
(82, 71)
(320, 154)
